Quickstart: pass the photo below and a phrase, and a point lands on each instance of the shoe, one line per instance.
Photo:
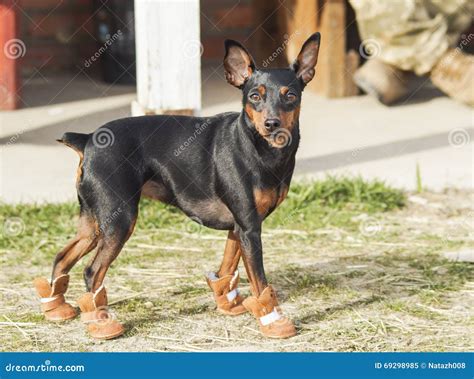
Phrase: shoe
(226, 293)
(268, 314)
(454, 75)
(382, 81)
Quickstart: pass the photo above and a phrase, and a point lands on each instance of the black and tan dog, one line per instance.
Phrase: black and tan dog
(230, 176)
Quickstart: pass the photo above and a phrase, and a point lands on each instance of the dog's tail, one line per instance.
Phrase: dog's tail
(76, 141)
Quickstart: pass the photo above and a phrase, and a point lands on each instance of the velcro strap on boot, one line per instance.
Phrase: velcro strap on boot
(270, 317)
(232, 295)
(228, 294)
(229, 297)
(50, 303)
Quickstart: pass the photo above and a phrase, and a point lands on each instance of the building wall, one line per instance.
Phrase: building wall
(222, 19)
(59, 35)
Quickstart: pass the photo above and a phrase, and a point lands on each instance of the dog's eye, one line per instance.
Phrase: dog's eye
(290, 96)
(254, 97)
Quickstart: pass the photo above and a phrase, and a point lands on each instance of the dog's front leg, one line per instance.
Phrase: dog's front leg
(251, 245)
(224, 283)
(263, 304)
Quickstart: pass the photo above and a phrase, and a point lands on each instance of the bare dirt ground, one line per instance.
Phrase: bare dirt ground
(377, 283)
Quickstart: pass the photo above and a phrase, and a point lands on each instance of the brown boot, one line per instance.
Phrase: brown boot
(52, 300)
(266, 310)
(382, 81)
(100, 322)
(454, 75)
(226, 293)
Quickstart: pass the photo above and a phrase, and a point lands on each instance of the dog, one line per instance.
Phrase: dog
(231, 176)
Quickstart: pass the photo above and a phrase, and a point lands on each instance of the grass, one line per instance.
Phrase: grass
(356, 266)
(419, 184)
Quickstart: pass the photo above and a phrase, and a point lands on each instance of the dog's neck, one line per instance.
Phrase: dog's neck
(271, 157)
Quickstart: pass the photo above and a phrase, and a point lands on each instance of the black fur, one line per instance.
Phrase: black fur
(207, 167)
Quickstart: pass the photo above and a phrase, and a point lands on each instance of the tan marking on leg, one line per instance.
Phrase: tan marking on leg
(84, 242)
(106, 254)
(231, 258)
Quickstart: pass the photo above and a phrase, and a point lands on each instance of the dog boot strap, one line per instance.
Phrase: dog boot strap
(270, 317)
(226, 293)
(50, 303)
(53, 303)
(266, 310)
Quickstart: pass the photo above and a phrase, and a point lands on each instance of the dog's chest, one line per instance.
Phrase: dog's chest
(266, 200)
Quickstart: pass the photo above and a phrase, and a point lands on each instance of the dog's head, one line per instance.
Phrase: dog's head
(271, 97)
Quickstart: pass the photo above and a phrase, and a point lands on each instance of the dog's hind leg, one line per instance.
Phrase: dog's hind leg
(225, 282)
(116, 227)
(51, 294)
(83, 243)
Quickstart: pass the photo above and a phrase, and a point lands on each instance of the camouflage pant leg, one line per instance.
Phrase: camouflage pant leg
(412, 34)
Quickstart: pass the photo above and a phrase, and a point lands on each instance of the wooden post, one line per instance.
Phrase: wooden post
(300, 22)
(332, 55)
(168, 50)
(336, 65)
(12, 50)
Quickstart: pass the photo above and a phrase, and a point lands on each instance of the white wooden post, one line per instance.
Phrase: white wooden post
(168, 50)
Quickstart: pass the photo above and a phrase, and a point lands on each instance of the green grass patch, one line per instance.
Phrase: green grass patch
(351, 268)
(333, 200)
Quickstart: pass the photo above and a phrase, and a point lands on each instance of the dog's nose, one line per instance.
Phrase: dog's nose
(272, 124)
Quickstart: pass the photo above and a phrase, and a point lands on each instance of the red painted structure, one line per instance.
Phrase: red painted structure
(11, 52)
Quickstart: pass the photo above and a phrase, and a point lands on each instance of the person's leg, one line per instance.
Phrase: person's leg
(458, 15)
(453, 73)
(410, 35)
(405, 34)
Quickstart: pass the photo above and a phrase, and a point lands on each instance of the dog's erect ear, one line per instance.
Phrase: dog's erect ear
(238, 63)
(307, 58)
